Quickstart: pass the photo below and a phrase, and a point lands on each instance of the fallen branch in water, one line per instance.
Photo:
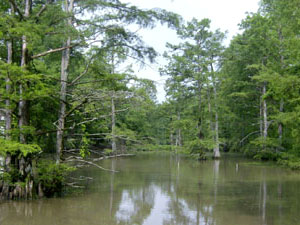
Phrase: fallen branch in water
(81, 160)
(112, 156)
(81, 178)
(73, 185)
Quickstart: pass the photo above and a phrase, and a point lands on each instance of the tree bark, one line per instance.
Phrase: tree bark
(65, 61)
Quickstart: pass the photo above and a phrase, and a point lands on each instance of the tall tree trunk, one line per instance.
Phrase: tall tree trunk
(65, 61)
(209, 110)
(265, 114)
(217, 143)
(113, 125)
(178, 133)
(8, 114)
(280, 125)
(200, 110)
(261, 126)
(23, 104)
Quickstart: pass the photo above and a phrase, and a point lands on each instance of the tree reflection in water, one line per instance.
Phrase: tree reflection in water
(165, 190)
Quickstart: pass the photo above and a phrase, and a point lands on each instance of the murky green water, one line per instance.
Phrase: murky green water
(165, 190)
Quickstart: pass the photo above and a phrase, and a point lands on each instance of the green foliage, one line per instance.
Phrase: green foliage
(270, 144)
(107, 151)
(197, 147)
(267, 155)
(200, 146)
(52, 176)
(17, 149)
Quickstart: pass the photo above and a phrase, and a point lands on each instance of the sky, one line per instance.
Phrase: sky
(224, 15)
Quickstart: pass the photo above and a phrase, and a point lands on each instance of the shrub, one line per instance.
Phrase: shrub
(52, 176)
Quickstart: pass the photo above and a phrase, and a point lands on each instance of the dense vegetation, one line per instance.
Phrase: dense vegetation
(68, 92)
(243, 97)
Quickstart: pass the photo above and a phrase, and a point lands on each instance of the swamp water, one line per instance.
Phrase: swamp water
(163, 189)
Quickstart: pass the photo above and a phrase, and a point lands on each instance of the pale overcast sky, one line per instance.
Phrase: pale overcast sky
(224, 14)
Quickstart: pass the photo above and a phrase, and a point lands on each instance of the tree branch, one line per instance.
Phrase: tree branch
(248, 135)
(51, 51)
(16, 8)
(81, 75)
(76, 107)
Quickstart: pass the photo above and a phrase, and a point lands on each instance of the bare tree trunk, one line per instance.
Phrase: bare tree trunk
(200, 110)
(23, 118)
(209, 110)
(217, 143)
(217, 146)
(178, 133)
(8, 114)
(261, 129)
(280, 126)
(113, 125)
(265, 115)
(65, 61)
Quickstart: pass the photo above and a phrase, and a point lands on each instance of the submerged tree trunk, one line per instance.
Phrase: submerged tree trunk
(113, 125)
(65, 61)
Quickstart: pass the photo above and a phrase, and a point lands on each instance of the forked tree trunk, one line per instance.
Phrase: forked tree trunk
(65, 61)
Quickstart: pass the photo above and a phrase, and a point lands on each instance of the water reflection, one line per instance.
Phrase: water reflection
(154, 190)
